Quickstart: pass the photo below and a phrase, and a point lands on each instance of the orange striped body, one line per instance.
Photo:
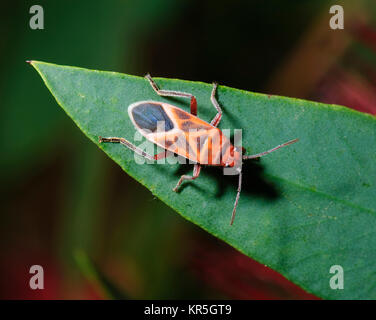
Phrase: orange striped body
(182, 133)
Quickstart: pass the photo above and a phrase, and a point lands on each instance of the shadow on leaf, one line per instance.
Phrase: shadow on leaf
(254, 181)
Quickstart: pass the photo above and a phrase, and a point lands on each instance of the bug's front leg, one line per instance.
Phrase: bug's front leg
(196, 173)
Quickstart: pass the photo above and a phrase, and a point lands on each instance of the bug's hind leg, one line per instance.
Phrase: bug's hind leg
(171, 93)
(131, 146)
(215, 103)
(196, 173)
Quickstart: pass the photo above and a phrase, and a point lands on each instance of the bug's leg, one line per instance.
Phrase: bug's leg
(215, 103)
(171, 93)
(129, 145)
(196, 172)
(237, 198)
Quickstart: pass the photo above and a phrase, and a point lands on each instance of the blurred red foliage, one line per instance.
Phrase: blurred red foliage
(239, 277)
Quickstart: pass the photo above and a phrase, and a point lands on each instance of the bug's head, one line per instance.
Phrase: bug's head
(231, 158)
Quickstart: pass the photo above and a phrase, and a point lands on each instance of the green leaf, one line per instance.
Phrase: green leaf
(303, 209)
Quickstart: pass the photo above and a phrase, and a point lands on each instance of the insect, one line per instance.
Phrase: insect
(187, 135)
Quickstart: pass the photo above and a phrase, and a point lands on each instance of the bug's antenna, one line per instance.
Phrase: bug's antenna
(237, 198)
(258, 155)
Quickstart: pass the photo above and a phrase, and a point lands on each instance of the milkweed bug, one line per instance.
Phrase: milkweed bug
(187, 135)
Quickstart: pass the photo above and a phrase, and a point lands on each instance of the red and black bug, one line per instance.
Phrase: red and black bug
(183, 133)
